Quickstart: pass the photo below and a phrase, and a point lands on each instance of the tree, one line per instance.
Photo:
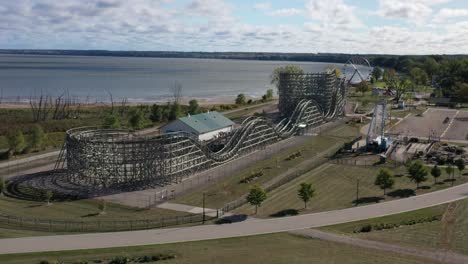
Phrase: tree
(417, 172)
(2, 186)
(305, 192)
(176, 91)
(175, 111)
(363, 87)
(419, 76)
(460, 163)
(436, 172)
(449, 170)
(16, 141)
(111, 121)
(388, 74)
(240, 100)
(256, 196)
(102, 206)
(37, 137)
(275, 76)
(156, 113)
(48, 196)
(400, 86)
(193, 107)
(269, 94)
(376, 73)
(136, 119)
(431, 67)
(384, 180)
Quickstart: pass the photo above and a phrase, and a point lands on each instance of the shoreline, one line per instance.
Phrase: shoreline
(208, 101)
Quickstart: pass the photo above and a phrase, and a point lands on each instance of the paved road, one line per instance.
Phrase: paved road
(250, 227)
(434, 254)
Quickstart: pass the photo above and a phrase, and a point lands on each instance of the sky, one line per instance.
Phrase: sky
(311, 26)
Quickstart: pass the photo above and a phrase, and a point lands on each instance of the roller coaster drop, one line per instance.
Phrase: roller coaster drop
(107, 158)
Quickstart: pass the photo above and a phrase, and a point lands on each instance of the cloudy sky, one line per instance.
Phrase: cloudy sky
(348, 26)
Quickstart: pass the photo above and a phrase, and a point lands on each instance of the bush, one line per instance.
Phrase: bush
(366, 229)
(120, 260)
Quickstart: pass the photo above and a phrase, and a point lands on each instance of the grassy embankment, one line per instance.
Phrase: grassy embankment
(231, 188)
(273, 248)
(336, 185)
(449, 233)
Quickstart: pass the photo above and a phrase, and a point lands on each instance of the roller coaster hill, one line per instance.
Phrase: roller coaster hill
(109, 158)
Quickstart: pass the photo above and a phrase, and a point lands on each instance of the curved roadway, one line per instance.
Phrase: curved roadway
(250, 227)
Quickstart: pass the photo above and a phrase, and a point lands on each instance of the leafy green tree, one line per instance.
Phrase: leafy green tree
(16, 141)
(48, 196)
(419, 76)
(175, 112)
(436, 173)
(376, 73)
(460, 163)
(193, 107)
(363, 87)
(384, 180)
(256, 196)
(269, 94)
(240, 100)
(417, 172)
(102, 207)
(388, 74)
(305, 192)
(111, 121)
(275, 76)
(449, 170)
(136, 119)
(156, 114)
(37, 137)
(431, 67)
(401, 86)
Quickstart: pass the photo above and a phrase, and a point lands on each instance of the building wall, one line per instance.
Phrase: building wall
(212, 134)
(181, 126)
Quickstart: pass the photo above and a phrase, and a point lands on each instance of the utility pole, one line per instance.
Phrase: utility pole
(204, 194)
(357, 192)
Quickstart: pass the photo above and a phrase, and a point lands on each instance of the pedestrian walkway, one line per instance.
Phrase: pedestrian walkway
(189, 209)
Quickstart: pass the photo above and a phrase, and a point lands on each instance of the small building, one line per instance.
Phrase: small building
(205, 126)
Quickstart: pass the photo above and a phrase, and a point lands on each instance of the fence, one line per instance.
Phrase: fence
(62, 225)
(292, 174)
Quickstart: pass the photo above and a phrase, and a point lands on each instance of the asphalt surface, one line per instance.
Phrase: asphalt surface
(247, 228)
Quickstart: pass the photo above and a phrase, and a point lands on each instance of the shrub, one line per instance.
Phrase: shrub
(366, 229)
(120, 260)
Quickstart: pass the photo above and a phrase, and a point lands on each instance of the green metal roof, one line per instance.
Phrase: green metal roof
(207, 122)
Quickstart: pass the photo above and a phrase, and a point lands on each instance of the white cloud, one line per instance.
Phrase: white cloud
(285, 12)
(264, 6)
(414, 11)
(447, 13)
(334, 14)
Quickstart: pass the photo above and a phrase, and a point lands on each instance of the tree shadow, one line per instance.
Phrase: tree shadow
(286, 212)
(231, 219)
(402, 193)
(450, 180)
(370, 199)
(90, 215)
(424, 187)
(399, 175)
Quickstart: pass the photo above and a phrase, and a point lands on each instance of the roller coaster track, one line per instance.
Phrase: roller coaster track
(113, 157)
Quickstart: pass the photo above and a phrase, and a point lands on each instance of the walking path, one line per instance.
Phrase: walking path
(188, 209)
(246, 228)
(434, 254)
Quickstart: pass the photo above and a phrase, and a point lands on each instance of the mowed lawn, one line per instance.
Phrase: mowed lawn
(271, 249)
(231, 188)
(451, 233)
(335, 188)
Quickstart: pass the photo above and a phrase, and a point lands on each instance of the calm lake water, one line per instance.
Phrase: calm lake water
(138, 79)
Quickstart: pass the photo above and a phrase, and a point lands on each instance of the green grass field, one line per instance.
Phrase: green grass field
(335, 188)
(271, 249)
(230, 188)
(451, 233)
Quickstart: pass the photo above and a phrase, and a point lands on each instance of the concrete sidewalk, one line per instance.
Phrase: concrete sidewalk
(189, 209)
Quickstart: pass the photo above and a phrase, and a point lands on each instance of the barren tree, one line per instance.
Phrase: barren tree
(176, 92)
